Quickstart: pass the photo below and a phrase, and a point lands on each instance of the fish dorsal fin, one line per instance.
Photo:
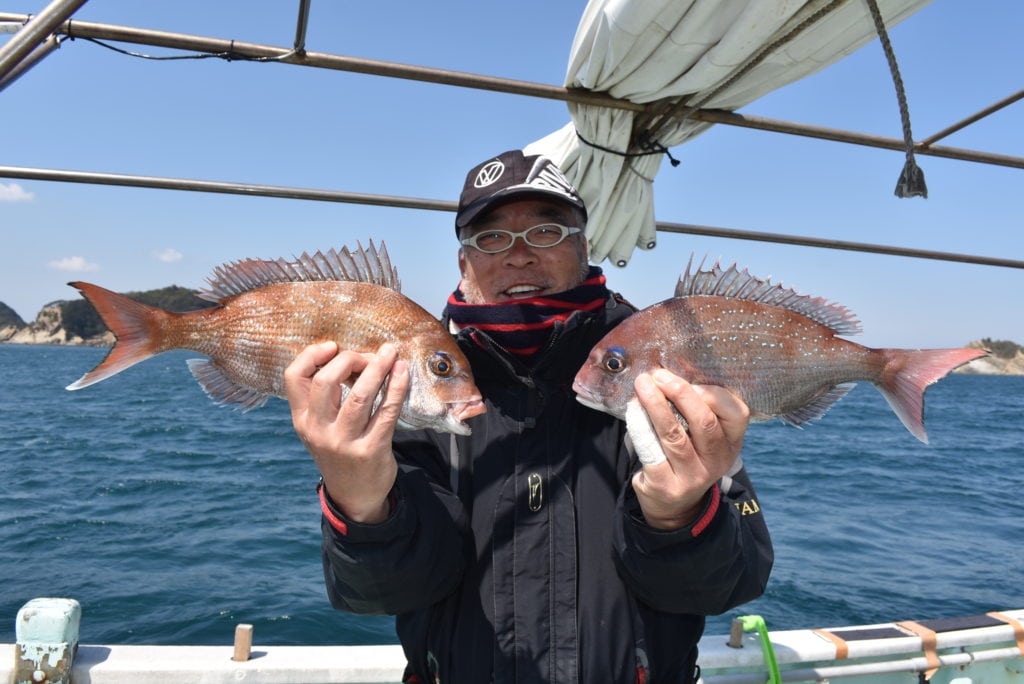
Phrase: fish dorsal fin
(733, 283)
(363, 265)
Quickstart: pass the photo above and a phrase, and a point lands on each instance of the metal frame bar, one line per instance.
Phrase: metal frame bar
(27, 47)
(34, 40)
(251, 189)
(301, 24)
(991, 109)
(30, 60)
(462, 79)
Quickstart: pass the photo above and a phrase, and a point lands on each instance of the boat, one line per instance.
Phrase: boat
(987, 649)
(982, 648)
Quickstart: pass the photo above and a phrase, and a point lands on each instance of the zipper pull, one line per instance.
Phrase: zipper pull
(535, 492)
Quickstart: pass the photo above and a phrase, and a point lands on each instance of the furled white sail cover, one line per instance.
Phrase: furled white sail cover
(648, 50)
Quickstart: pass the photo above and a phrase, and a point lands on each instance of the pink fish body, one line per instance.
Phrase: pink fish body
(271, 310)
(778, 350)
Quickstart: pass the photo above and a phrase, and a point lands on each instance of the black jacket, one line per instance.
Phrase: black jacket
(519, 553)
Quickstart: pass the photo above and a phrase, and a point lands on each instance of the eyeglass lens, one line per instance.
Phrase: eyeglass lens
(545, 235)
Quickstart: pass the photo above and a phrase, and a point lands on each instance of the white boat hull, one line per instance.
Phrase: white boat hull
(977, 649)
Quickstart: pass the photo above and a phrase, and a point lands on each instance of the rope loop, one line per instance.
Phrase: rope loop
(649, 147)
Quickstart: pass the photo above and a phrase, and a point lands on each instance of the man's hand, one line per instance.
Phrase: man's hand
(349, 440)
(671, 493)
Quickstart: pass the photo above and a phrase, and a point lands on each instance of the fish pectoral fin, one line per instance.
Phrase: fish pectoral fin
(222, 389)
(817, 407)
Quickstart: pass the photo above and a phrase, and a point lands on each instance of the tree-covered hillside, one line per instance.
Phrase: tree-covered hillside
(1004, 349)
(9, 316)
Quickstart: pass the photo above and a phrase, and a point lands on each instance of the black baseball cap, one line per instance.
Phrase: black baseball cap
(512, 174)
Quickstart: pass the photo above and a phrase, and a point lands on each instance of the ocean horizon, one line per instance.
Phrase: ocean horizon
(171, 519)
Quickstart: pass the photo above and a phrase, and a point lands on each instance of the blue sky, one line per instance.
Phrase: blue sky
(87, 108)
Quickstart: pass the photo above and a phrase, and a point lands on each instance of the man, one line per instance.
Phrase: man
(536, 549)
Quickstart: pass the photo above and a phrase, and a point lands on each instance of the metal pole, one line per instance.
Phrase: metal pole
(781, 238)
(252, 189)
(1006, 101)
(301, 25)
(51, 44)
(837, 135)
(457, 78)
(34, 32)
(224, 187)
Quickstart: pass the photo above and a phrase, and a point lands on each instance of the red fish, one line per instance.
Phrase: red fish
(270, 310)
(778, 350)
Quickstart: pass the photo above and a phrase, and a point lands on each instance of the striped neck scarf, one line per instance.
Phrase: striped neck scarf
(522, 327)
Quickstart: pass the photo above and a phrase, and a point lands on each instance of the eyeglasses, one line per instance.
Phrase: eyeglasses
(544, 235)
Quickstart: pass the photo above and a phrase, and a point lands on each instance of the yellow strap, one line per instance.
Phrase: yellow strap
(1018, 628)
(842, 648)
(929, 642)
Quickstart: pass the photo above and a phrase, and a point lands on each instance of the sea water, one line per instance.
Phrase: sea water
(171, 519)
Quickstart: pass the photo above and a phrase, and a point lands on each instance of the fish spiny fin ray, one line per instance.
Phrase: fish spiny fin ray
(733, 283)
(364, 265)
(222, 389)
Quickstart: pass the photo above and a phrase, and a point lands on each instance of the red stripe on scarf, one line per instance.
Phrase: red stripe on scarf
(523, 326)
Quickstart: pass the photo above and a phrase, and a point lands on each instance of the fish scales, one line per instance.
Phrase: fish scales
(776, 359)
(775, 348)
(269, 311)
(257, 334)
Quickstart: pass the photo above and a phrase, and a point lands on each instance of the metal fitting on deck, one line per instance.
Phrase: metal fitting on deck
(47, 640)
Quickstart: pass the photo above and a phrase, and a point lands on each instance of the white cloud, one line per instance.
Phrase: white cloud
(74, 263)
(12, 192)
(169, 255)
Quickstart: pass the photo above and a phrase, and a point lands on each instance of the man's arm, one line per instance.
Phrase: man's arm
(392, 540)
(349, 440)
(692, 538)
(720, 560)
(697, 454)
(412, 559)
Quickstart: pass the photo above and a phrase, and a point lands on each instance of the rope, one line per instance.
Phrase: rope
(911, 181)
(649, 146)
(228, 55)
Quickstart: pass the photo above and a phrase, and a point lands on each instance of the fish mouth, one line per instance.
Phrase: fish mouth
(459, 411)
(586, 397)
(467, 408)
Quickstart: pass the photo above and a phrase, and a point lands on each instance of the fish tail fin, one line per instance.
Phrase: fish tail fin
(135, 325)
(909, 372)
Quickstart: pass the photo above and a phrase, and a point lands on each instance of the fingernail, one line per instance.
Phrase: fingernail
(643, 382)
(661, 375)
(699, 389)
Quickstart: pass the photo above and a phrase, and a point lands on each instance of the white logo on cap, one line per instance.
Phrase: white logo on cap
(550, 177)
(489, 174)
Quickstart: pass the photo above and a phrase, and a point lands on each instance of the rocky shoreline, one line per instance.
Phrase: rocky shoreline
(993, 364)
(48, 328)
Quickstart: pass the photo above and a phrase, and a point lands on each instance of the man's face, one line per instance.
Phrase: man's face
(522, 271)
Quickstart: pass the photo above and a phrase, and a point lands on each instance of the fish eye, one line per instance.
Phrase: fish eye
(614, 360)
(441, 364)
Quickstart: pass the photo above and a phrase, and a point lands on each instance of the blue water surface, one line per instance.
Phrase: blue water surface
(172, 519)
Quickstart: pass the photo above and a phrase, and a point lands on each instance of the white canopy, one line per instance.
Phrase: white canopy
(715, 54)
